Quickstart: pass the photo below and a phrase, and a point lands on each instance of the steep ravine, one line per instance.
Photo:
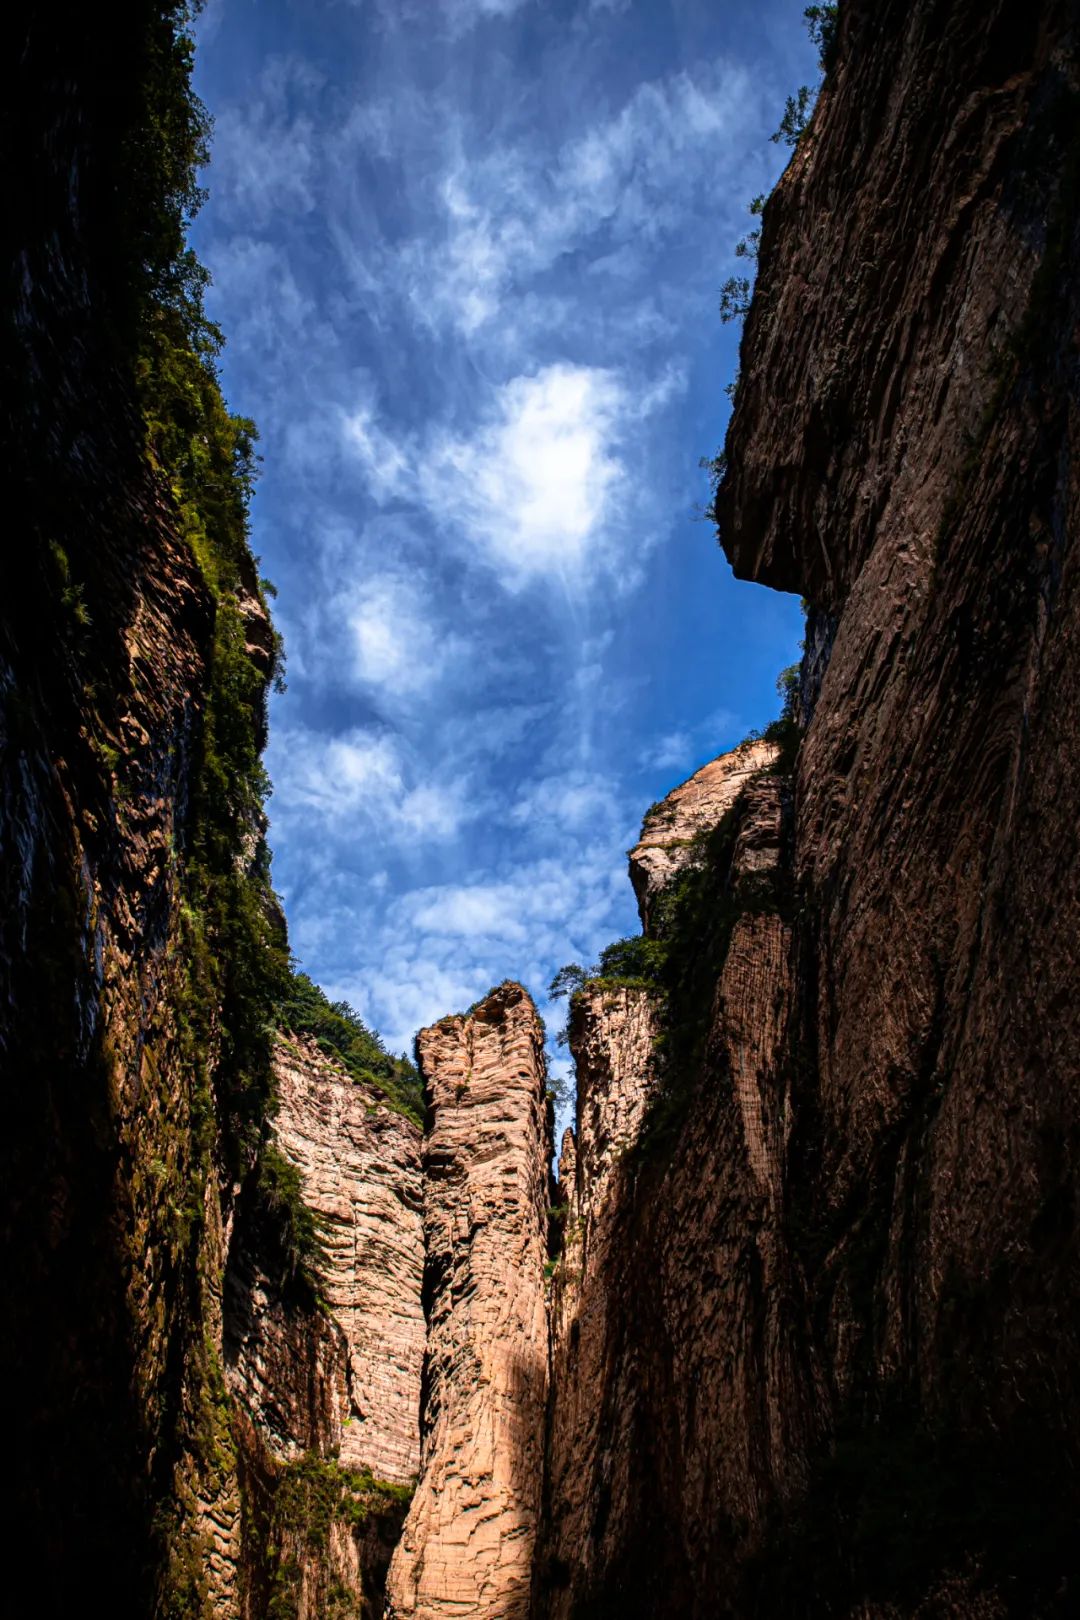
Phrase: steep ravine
(796, 1331)
(814, 1316)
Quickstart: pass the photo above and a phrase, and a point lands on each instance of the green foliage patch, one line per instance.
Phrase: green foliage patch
(293, 1234)
(311, 1495)
(342, 1033)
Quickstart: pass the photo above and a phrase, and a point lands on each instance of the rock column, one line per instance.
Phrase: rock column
(467, 1546)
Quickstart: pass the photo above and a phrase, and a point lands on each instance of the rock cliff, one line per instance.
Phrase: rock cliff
(142, 950)
(467, 1545)
(677, 1353)
(904, 453)
(843, 1386)
(359, 1162)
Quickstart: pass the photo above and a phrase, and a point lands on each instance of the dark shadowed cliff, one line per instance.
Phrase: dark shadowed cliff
(176, 1386)
(847, 1383)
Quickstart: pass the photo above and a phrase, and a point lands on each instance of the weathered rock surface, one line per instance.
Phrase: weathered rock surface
(612, 1036)
(111, 1232)
(695, 806)
(904, 453)
(353, 1384)
(675, 1345)
(467, 1545)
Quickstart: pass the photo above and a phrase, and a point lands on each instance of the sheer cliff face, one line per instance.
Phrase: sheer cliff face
(134, 1472)
(677, 1352)
(467, 1545)
(693, 808)
(847, 1374)
(327, 1398)
(905, 454)
(110, 1227)
(358, 1392)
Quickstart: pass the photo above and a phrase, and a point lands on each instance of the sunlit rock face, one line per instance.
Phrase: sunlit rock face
(670, 828)
(467, 1546)
(359, 1392)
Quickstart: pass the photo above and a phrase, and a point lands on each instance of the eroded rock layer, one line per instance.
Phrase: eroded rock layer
(467, 1545)
(904, 453)
(672, 827)
(360, 1167)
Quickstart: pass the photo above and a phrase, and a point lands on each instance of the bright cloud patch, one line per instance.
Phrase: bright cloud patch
(535, 487)
(330, 782)
(511, 213)
(395, 644)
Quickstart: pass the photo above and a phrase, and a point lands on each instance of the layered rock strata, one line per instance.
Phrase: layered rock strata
(904, 453)
(111, 1233)
(359, 1162)
(139, 939)
(467, 1545)
(672, 829)
(612, 1038)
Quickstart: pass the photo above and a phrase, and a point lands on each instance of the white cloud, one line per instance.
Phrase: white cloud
(566, 800)
(671, 752)
(384, 463)
(509, 215)
(395, 644)
(459, 16)
(331, 780)
(535, 487)
(265, 154)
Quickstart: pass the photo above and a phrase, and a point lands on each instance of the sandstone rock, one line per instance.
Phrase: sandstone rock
(695, 807)
(468, 1541)
(360, 1162)
(677, 1358)
(344, 1383)
(612, 1036)
(904, 453)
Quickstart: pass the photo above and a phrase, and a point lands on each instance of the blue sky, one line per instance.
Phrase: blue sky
(467, 256)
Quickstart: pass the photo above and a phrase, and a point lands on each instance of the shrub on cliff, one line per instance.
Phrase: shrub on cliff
(307, 1010)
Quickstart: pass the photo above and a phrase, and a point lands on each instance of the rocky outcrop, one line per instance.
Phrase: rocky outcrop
(672, 829)
(904, 453)
(676, 1346)
(350, 1384)
(467, 1544)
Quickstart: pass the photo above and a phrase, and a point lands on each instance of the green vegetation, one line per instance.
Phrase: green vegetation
(793, 124)
(821, 25)
(784, 730)
(736, 293)
(292, 1232)
(238, 977)
(233, 936)
(311, 1495)
(342, 1033)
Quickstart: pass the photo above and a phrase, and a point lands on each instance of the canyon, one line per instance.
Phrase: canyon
(793, 1326)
